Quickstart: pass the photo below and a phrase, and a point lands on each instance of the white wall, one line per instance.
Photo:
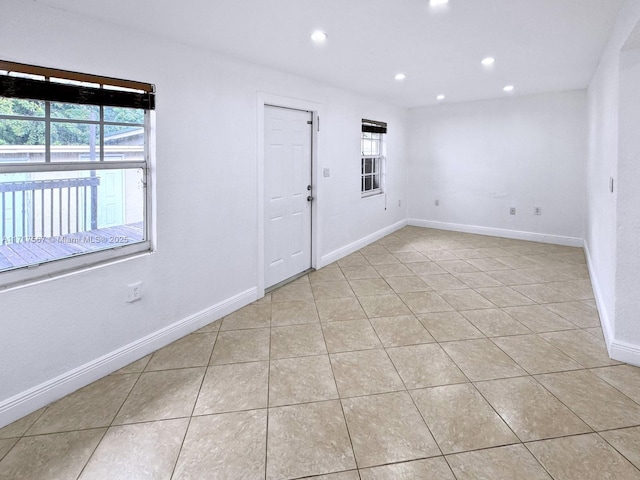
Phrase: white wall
(612, 226)
(479, 159)
(61, 334)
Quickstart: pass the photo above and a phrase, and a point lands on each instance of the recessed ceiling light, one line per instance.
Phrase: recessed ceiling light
(400, 76)
(487, 62)
(438, 3)
(440, 97)
(318, 36)
(508, 88)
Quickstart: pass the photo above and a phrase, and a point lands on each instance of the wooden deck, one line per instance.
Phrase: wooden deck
(33, 251)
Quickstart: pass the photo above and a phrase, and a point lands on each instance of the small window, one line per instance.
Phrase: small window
(373, 148)
(73, 169)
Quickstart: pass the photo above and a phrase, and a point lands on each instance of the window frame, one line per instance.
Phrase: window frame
(77, 262)
(378, 161)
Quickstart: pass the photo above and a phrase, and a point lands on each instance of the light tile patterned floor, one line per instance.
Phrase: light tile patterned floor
(426, 355)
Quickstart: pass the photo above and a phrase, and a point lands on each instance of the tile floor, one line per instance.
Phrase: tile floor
(426, 355)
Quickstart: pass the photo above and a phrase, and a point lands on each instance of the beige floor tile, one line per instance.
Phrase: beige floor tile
(426, 268)
(535, 354)
(54, 456)
(384, 305)
(364, 373)
(20, 426)
(460, 419)
(429, 469)
(410, 257)
(251, 316)
(482, 360)
(353, 260)
(6, 445)
(264, 300)
(230, 388)
(486, 265)
(469, 253)
(478, 280)
(400, 331)
(539, 319)
(520, 262)
(512, 277)
(191, 351)
(460, 266)
(449, 326)
(93, 406)
(596, 332)
(241, 346)
(229, 445)
(495, 322)
(301, 380)
(578, 313)
(393, 270)
(596, 402)
(340, 309)
(309, 439)
(297, 341)
(426, 302)
(504, 296)
(360, 272)
(513, 462)
(350, 475)
(407, 284)
(326, 275)
(292, 292)
(574, 289)
(387, 428)
(373, 249)
(626, 441)
(349, 336)
(425, 365)
(541, 293)
(443, 281)
(161, 396)
(293, 313)
(141, 451)
(370, 286)
(582, 457)
(134, 367)
(466, 299)
(337, 289)
(546, 274)
(382, 259)
(530, 410)
(440, 255)
(625, 378)
(582, 347)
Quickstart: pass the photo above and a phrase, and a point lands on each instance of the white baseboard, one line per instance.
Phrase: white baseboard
(41, 395)
(499, 232)
(358, 244)
(618, 350)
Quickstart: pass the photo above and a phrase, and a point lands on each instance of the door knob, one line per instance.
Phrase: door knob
(309, 198)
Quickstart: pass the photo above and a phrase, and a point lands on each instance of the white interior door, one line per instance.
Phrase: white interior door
(287, 177)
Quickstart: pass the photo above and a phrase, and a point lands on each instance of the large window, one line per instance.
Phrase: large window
(373, 147)
(74, 169)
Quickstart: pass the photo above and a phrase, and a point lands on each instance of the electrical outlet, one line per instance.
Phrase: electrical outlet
(326, 172)
(437, 203)
(537, 211)
(134, 292)
(512, 211)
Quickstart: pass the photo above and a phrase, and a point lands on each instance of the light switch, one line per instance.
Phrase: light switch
(326, 172)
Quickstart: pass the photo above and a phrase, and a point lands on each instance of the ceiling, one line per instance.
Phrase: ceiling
(539, 45)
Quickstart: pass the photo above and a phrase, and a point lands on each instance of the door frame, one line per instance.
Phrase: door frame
(295, 104)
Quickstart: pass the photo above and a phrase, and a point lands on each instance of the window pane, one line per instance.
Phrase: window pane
(368, 165)
(73, 142)
(375, 182)
(123, 143)
(368, 182)
(75, 111)
(21, 107)
(21, 141)
(54, 215)
(123, 115)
